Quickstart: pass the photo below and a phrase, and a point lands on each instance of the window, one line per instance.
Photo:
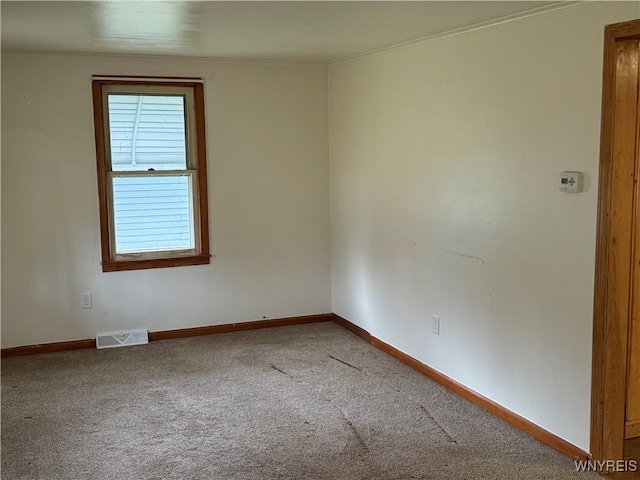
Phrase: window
(152, 181)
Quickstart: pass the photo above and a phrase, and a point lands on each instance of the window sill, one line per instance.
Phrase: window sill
(118, 266)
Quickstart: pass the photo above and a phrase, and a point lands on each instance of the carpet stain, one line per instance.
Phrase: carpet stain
(345, 363)
(428, 414)
(352, 428)
(355, 431)
(281, 371)
(425, 411)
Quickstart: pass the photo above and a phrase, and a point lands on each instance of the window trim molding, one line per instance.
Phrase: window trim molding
(201, 210)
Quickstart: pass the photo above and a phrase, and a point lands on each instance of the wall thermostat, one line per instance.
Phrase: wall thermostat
(571, 182)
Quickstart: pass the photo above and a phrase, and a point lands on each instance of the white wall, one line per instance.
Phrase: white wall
(444, 201)
(268, 192)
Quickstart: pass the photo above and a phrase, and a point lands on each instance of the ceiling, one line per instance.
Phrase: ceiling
(313, 31)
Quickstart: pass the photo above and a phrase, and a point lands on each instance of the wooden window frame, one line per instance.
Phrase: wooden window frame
(112, 262)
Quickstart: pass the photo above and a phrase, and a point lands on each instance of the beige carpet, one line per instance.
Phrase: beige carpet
(304, 402)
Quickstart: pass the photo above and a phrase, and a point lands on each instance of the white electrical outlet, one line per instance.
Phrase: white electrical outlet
(85, 300)
(435, 325)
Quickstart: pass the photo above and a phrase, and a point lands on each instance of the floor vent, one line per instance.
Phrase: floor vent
(122, 339)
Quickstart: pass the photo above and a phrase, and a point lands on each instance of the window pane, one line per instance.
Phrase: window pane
(147, 131)
(153, 213)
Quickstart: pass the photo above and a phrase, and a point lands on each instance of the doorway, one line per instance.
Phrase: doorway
(615, 417)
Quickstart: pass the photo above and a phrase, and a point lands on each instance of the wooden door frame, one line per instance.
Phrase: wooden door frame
(610, 332)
